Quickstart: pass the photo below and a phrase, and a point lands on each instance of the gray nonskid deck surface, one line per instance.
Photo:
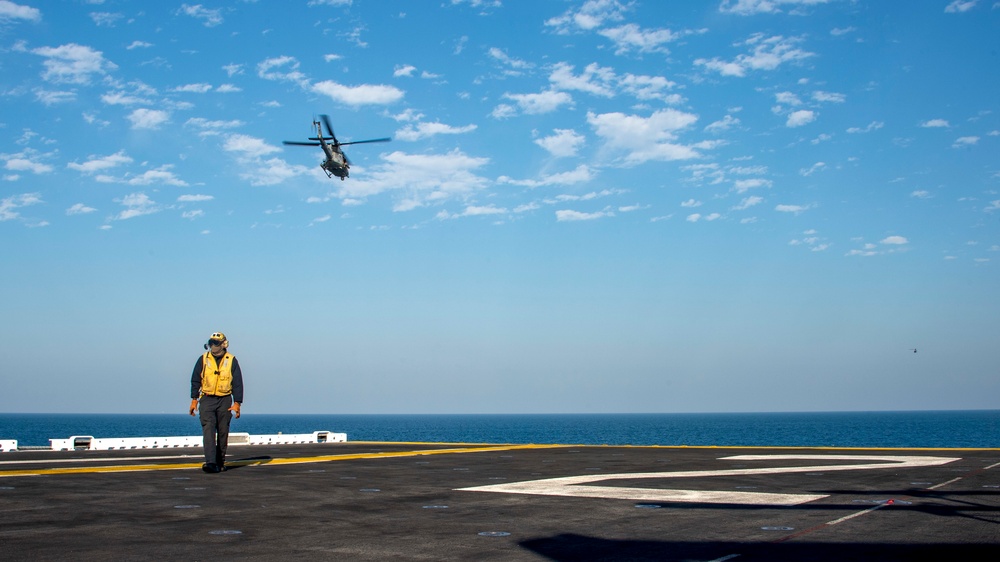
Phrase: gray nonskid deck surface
(356, 501)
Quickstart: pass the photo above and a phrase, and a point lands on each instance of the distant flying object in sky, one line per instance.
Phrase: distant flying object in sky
(913, 349)
(336, 163)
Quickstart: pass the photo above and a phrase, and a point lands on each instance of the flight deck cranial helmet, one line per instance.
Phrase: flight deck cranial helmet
(217, 339)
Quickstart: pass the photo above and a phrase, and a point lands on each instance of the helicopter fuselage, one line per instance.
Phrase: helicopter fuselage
(335, 163)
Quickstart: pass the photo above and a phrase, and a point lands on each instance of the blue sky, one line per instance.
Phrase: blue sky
(587, 206)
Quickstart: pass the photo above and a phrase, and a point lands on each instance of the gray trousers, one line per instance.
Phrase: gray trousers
(215, 418)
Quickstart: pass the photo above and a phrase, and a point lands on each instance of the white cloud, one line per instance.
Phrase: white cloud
(72, 63)
(965, 141)
(101, 163)
(829, 97)
(480, 210)
(935, 123)
(136, 205)
(580, 174)
(138, 45)
(741, 186)
(408, 115)
(275, 69)
(272, 171)
(564, 143)
(920, 194)
(960, 6)
(193, 88)
(418, 180)
(794, 209)
(873, 126)
(649, 88)
(330, 2)
(507, 60)
(595, 79)
(192, 214)
(646, 138)
(591, 15)
(603, 82)
(473, 211)
(250, 147)
(49, 97)
(695, 217)
(9, 206)
(895, 240)
(365, 94)
(425, 130)
(503, 111)
(209, 128)
(210, 18)
(767, 53)
(723, 124)
(148, 118)
(161, 175)
(564, 197)
(800, 118)
(787, 98)
(566, 215)
(105, 18)
(543, 102)
(194, 198)
(631, 37)
(751, 7)
(25, 161)
(123, 98)
(812, 169)
(12, 11)
(79, 209)
(748, 202)
(691, 203)
(404, 70)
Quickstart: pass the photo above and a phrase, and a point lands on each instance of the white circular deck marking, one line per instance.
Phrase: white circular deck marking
(578, 486)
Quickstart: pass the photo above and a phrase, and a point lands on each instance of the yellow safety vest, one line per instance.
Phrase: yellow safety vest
(217, 377)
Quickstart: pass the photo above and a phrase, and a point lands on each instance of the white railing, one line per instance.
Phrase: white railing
(293, 438)
(90, 443)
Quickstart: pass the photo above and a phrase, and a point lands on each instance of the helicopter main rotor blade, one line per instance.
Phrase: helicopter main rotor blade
(387, 139)
(329, 129)
(297, 143)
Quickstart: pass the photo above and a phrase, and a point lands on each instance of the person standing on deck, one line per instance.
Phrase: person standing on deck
(217, 386)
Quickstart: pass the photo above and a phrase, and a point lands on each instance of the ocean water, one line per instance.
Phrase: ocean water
(960, 428)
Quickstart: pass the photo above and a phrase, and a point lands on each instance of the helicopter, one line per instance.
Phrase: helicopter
(336, 163)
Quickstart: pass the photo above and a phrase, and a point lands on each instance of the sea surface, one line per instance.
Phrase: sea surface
(957, 428)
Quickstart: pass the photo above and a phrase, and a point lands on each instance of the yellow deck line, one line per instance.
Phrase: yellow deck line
(274, 461)
(681, 447)
(455, 448)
